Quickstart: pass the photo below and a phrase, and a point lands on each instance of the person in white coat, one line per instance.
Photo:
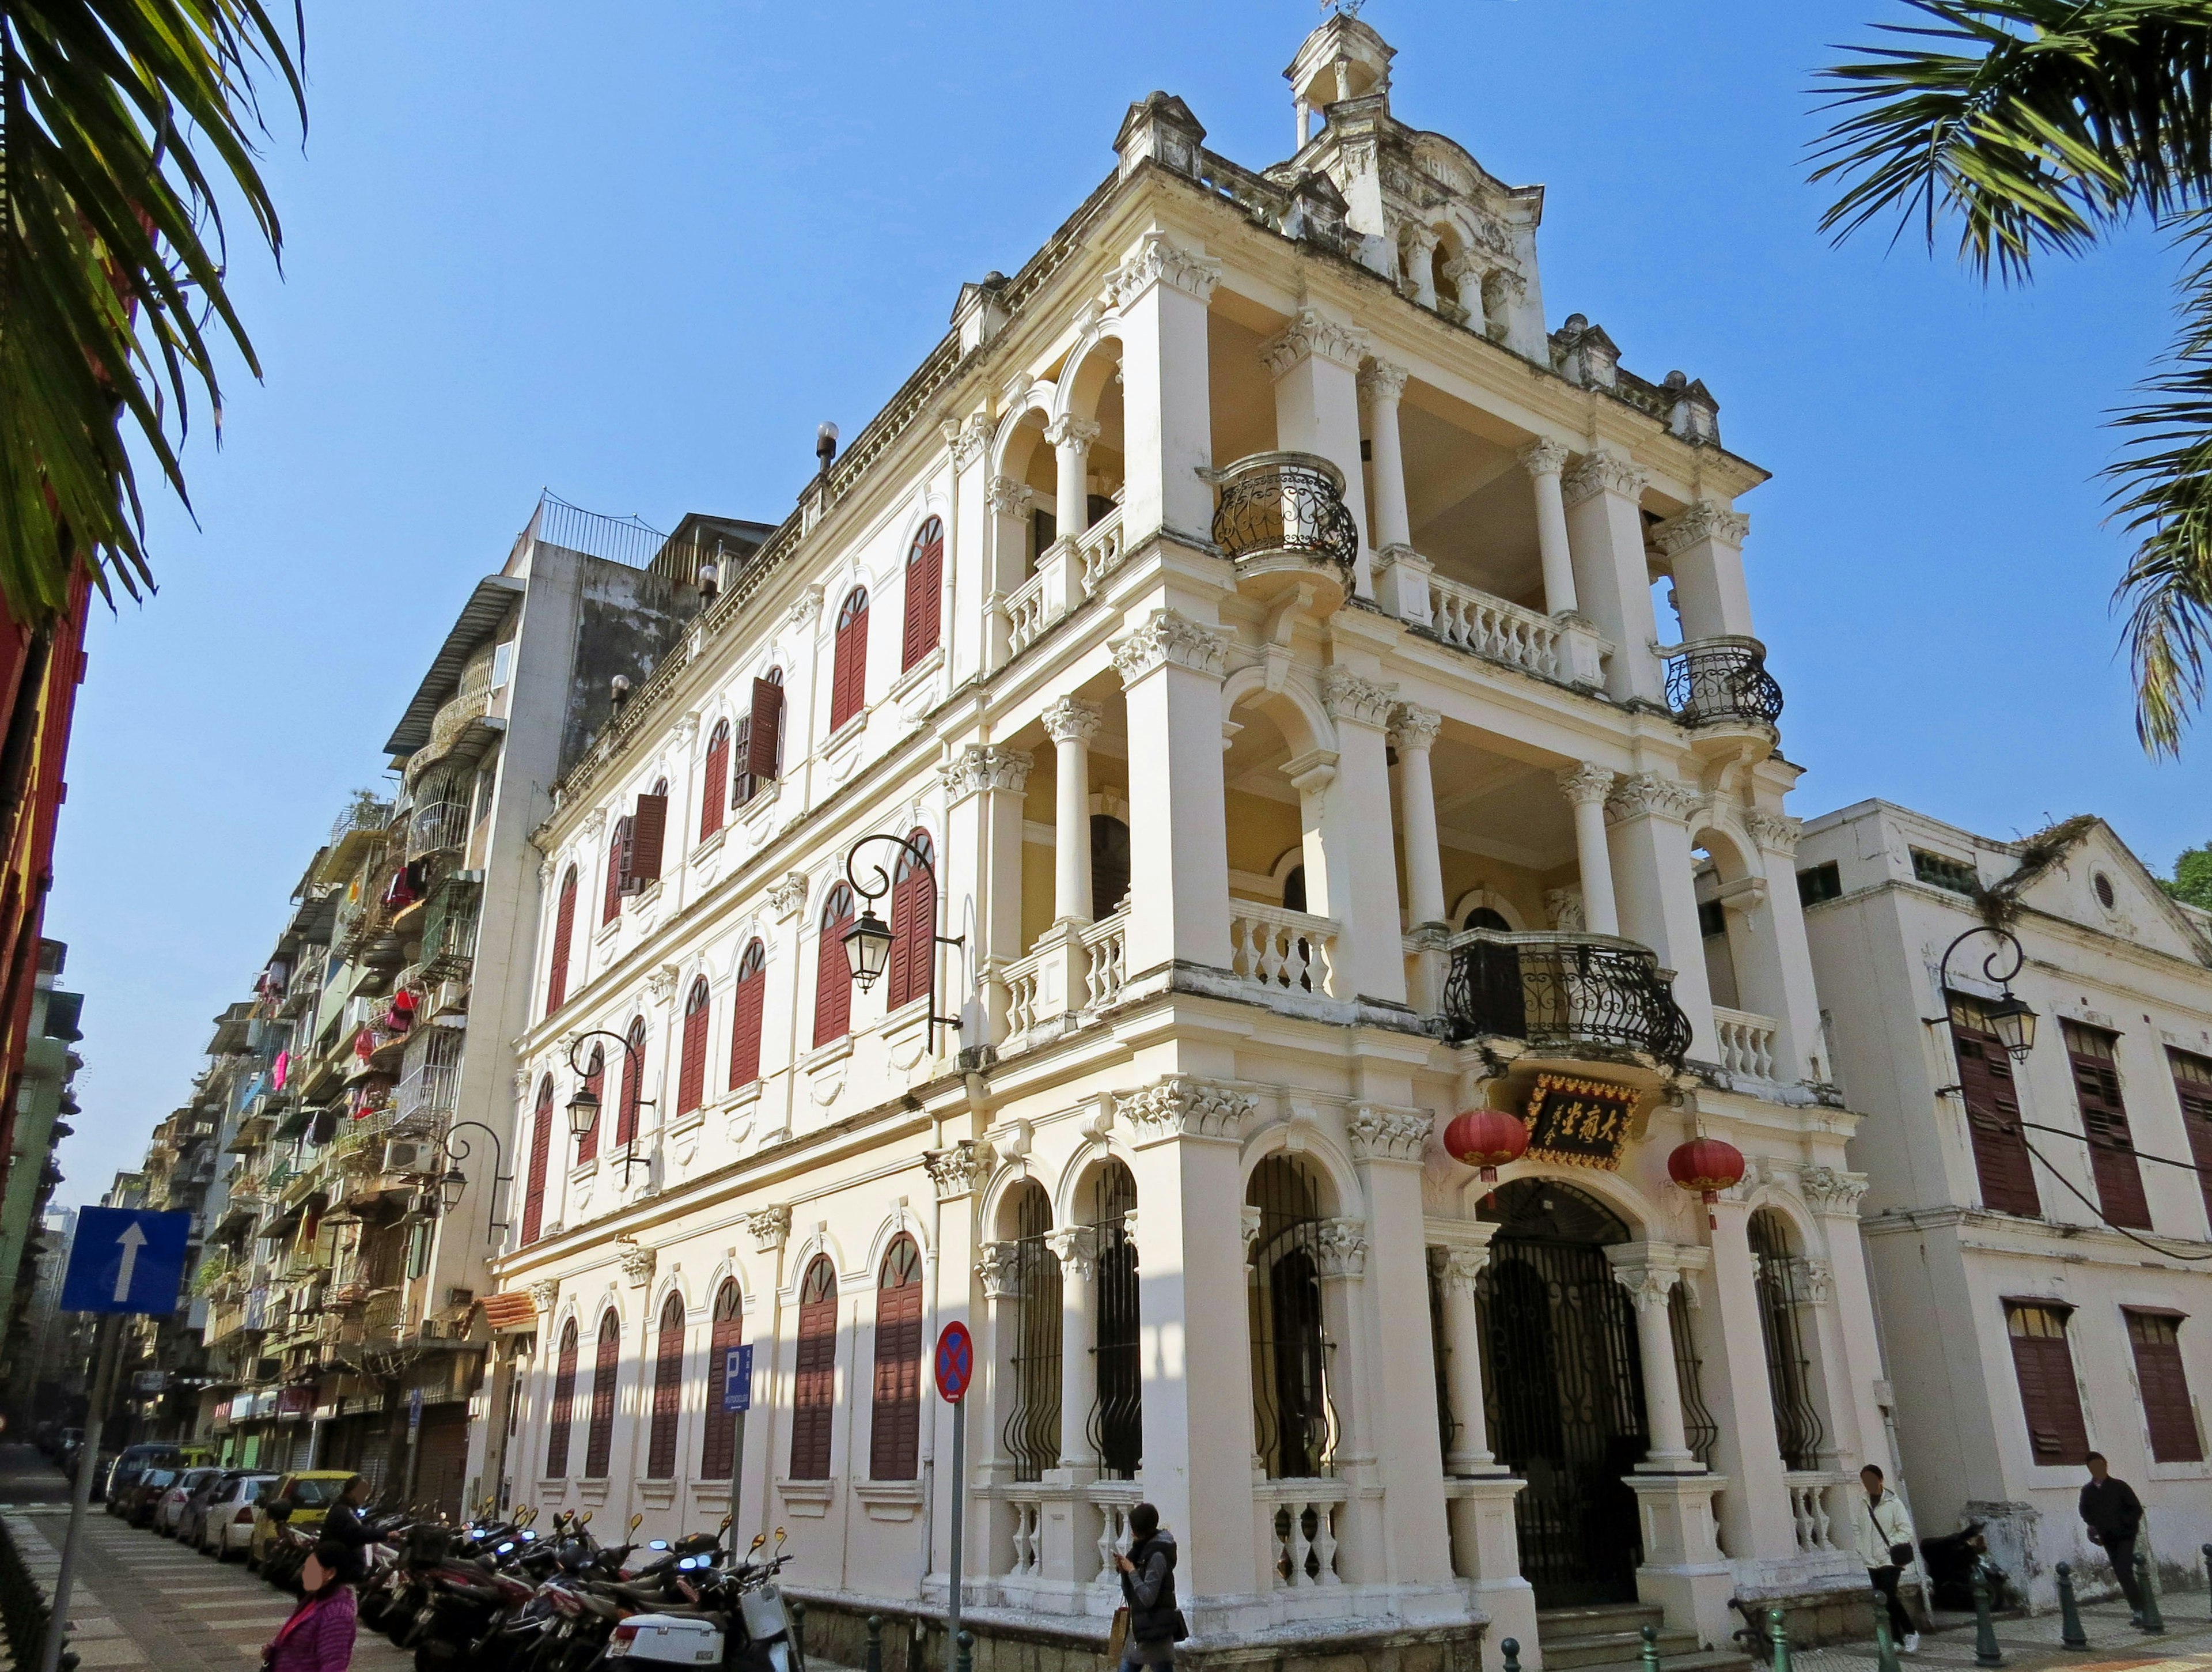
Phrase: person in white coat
(1882, 1535)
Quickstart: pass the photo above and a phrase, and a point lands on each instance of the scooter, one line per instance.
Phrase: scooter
(741, 1624)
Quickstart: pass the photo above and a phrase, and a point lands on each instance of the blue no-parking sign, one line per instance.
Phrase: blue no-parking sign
(737, 1378)
(125, 1260)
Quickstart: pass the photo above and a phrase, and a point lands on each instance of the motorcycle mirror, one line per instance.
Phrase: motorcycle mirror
(585, 1520)
(637, 1521)
(759, 1539)
(723, 1526)
(780, 1536)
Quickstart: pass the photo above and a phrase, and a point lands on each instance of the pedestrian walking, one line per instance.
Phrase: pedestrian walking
(342, 1526)
(2114, 1515)
(1148, 1587)
(318, 1635)
(1881, 1533)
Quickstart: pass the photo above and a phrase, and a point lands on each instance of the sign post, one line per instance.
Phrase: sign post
(737, 1399)
(956, 1368)
(121, 1261)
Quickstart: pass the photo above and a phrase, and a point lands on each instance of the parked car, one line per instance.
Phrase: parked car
(307, 1496)
(226, 1526)
(192, 1518)
(171, 1507)
(143, 1496)
(130, 1462)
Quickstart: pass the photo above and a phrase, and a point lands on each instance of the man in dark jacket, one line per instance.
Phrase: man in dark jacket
(2114, 1515)
(342, 1526)
(1148, 1587)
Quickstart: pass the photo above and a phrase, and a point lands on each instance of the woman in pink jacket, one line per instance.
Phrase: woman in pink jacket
(318, 1636)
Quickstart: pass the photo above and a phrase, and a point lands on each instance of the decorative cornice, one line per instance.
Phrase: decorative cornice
(1070, 721)
(1775, 831)
(1068, 431)
(1647, 794)
(770, 1226)
(1704, 520)
(1341, 1248)
(636, 1262)
(1543, 457)
(1168, 635)
(788, 897)
(1379, 381)
(1603, 472)
(661, 983)
(968, 441)
(1349, 695)
(1076, 1248)
(1010, 497)
(1160, 260)
(1832, 1190)
(1311, 335)
(979, 767)
(1586, 782)
(1388, 1134)
(1180, 1106)
(546, 1295)
(1414, 728)
(957, 1171)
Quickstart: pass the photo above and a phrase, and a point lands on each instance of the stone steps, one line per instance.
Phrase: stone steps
(1609, 1638)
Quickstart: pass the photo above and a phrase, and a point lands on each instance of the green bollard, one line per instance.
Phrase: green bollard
(1885, 1651)
(967, 1642)
(875, 1643)
(2154, 1623)
(2208, 1572)
(1777, 1633)
(2069, 1616)
(799, 1630)
(1509, 1651)
(1986, 1652)
(1650, 1653)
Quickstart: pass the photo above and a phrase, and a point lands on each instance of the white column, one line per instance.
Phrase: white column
(1586, 786)
(1346, 879)
(1414, 732)
(1070, 438)
(1613, 578)
(1171, 668)
(1402, 575)
(1705, 545)
(1648, 1272)
(1467, 273)
(1457, 1268)
(1755, 1516)
(1076, 1248)
(1648, 832)
(983, 787)
(1167, 414)
(1072, 725)
(1544, 460)
(1009, 501)
(1315, 361)
(1420, 249)
(1775, 975)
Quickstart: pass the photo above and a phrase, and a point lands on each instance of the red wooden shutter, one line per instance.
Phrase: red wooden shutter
(848, 668)
(541, 1148)
(894, 1436)
(617, 859)
(833, 971)
(564, 1405)
(2192, 1086)
(564, 935)
(764, 731)
(667, 1391)
(600, 1439)
(692, 1079)
(2156, 1338)
(2048, 1395)
(595, 1082)
(814, 1373)
(2113, 1161)
(648, 833)
(714, 791)
(633, 1087)
(721, 1427)
(2000, 1159)
(913, 925)
(924, 593)
(746, 1015)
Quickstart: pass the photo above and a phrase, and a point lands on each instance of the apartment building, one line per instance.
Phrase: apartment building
(2035, 1224)
(1215, 725)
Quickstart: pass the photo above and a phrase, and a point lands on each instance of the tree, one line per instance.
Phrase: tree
(2040, 127)
(119, 120)
(2192, 878)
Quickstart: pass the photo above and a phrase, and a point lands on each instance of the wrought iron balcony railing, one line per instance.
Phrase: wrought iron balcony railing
(1723, 679)
(1554, 989)
(1286, 502)
(438, 827)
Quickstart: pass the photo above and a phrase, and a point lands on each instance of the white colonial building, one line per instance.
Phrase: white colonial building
(1238, 638)
(2042, 1266)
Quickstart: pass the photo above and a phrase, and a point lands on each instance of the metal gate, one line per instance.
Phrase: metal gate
(1294, 1417)
(1565, 1392)
(1031, 1433)
(1117, 1421)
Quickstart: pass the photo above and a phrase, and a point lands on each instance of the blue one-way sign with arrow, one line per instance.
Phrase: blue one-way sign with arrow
(125, 1260)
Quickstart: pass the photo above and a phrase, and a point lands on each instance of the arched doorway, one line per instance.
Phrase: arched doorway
(1565, 1389)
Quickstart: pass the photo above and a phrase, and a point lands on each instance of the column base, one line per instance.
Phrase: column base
(1683, 1570)
(1062, 970)
(1402, 584)
(1486, 1552)
(1583, 649)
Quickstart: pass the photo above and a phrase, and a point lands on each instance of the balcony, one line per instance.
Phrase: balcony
(1722, 681)
(437, 828)
(1282, 519)
(1556, 990)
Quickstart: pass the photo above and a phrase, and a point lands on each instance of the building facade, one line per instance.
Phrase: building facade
(1228, 673)
(2040, 1277)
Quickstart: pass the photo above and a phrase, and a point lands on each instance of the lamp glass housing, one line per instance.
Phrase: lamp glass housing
(867, 948)
(2014, 1024)
(583, 1111)
(450, 1187)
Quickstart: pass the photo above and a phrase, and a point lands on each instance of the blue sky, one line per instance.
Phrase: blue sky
(637, 253)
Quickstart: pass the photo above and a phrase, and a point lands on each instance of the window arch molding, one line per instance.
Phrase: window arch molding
(1477, 899)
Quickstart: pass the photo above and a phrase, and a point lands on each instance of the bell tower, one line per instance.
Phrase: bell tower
(1342, 59)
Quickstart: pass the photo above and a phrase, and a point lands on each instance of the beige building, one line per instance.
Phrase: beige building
(2042, 1278)
(1237, 639)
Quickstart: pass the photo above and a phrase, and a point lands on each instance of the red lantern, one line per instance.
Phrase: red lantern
(1708, 1166)
(1485, 1137)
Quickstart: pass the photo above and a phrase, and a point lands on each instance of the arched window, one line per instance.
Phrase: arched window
(633, 1085)
(541, 1150)
(1117, 1421)
(833, 969)
(667, 1389)
(714, 793)
(1031, 1434)
(1294, 888)
(721, 1427)
(691, 1077)
(1782, 1303)
(746, 1001)
(1485, 917)
(762, 763)
(617, 864)
(814, 1372)
(1295, 1425)
(895, 1442)
(564, 935)
(848, 676)
(924, 593)
(1109, 865)
(599, 1438)
(564, 1405)
(595, 1082)
(914, 921)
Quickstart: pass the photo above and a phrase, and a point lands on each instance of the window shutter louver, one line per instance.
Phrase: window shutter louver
(2192, 1087)
(894, 1447)
(1999, 1144)
(633, 1085)
(667, 1391)
(2167, 1410)
(764, 732)
(647, 828)
(747, 1009)
(2044, 1365)
(2113, 1161)
(564, 1406)
(715, 790)
(691, 1079)
(833, 971)
(913, 925)
(618, 858)
(600, 1444)
(595, 1082)
(814, 1373)
(848, 668)
(720, 1427)
(541, 1147)
(925, 594)
(564, 935)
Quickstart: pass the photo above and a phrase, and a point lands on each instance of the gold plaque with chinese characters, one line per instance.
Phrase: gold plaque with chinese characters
(1580, 1122)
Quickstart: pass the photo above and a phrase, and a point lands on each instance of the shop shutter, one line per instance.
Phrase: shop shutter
(2113, 1161)
(746, 1010)
(2167, 1410)
(667, 1390)
(833, 969)
(2000, 1159)
(564, 1405)
(647, 831)
(849, 659)
(541, 1150)
(595, 1082)
(2192, 1086)
(442, 1465)
(814, 1373)
(924, 593)
(764, 732)
(2048, 1395)
(720, 1425)
(692, 1076)
(564, 935)
(894, 1448)
(913, 923)
(599, 1442)
(715, 788)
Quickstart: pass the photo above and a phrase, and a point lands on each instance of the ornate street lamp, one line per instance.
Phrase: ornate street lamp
(584, 1106)
(868, 942)
(2010, 1018)
(453, 1184)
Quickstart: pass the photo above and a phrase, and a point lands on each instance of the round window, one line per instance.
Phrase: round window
(2106, 898)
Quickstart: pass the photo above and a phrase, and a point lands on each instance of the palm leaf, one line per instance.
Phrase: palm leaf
(112, 261)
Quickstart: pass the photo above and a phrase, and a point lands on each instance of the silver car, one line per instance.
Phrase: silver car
(170, 1504)
(227, 1528)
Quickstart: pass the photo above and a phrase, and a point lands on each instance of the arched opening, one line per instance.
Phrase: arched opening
(599, 1438)
(595, 1082)
(1109, 865)
(1563, 1386)
(691, 1075)
(721, 1427)
(667, 1390)
(633, 1085)
(848, 675)
(894, 1430)
(758, 745)
(814, 1372)
(925, 594)
(1294, 1418)
(714, 787)
(1030, 1431)
(1486, 917)
(747, 999)
(564, 935)
(1785, 1329)
(1117, 1417)
(541, 1150)
(833, 969)
(564, 1405)
(914, 921)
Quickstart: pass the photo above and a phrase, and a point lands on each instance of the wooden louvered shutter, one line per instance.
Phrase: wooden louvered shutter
(564, 936)
(633, 1084)
(2167, 1410)
(691, 1077)
(849, 667)
(564, 1405)
(2192, 1086)
(720, 1426)
(764, 733)
(925, 594)
(833, 971)
(2000, 1159)
(648, 830)
(895, 1435)
(541, 1150)
(715, 790)
(599, 1442)
(595, 1082)
(2048, 1395)
(2113, 1161)
(667, 1391)
(618, 860)
(814, 1373)
(746, 1006)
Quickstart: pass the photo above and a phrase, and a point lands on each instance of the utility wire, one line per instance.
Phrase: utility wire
(2095, 1142)
(2169, 1253)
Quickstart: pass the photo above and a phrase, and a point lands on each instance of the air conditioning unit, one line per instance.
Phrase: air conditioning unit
(402, 1155)
(450, 999)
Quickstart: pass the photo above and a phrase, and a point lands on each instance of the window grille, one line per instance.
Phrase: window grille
(1030, 1432)
(1117, 1418)
(1294, 1418)
(1698, 1423)
(1788, 1366)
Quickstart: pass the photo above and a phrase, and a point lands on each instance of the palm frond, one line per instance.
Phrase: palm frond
(118, 120)
(2034, 124)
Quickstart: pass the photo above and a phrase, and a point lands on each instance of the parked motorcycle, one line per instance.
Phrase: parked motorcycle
(739, 1623)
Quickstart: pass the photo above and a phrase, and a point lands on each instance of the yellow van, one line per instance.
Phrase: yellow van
(311, 1492)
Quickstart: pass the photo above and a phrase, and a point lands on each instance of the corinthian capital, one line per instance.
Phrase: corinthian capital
(1160, 260)
(981, 766)
(1068, 431)
(1070, 721)
(1647, 794)
(1586, 782)
(1542, 456)
(1009, 498)
(1165, 636)
(1412, 727)
(1379, 381)
(1602, 472)
(1311, 335)
(1704, 520)
(1349, 695)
